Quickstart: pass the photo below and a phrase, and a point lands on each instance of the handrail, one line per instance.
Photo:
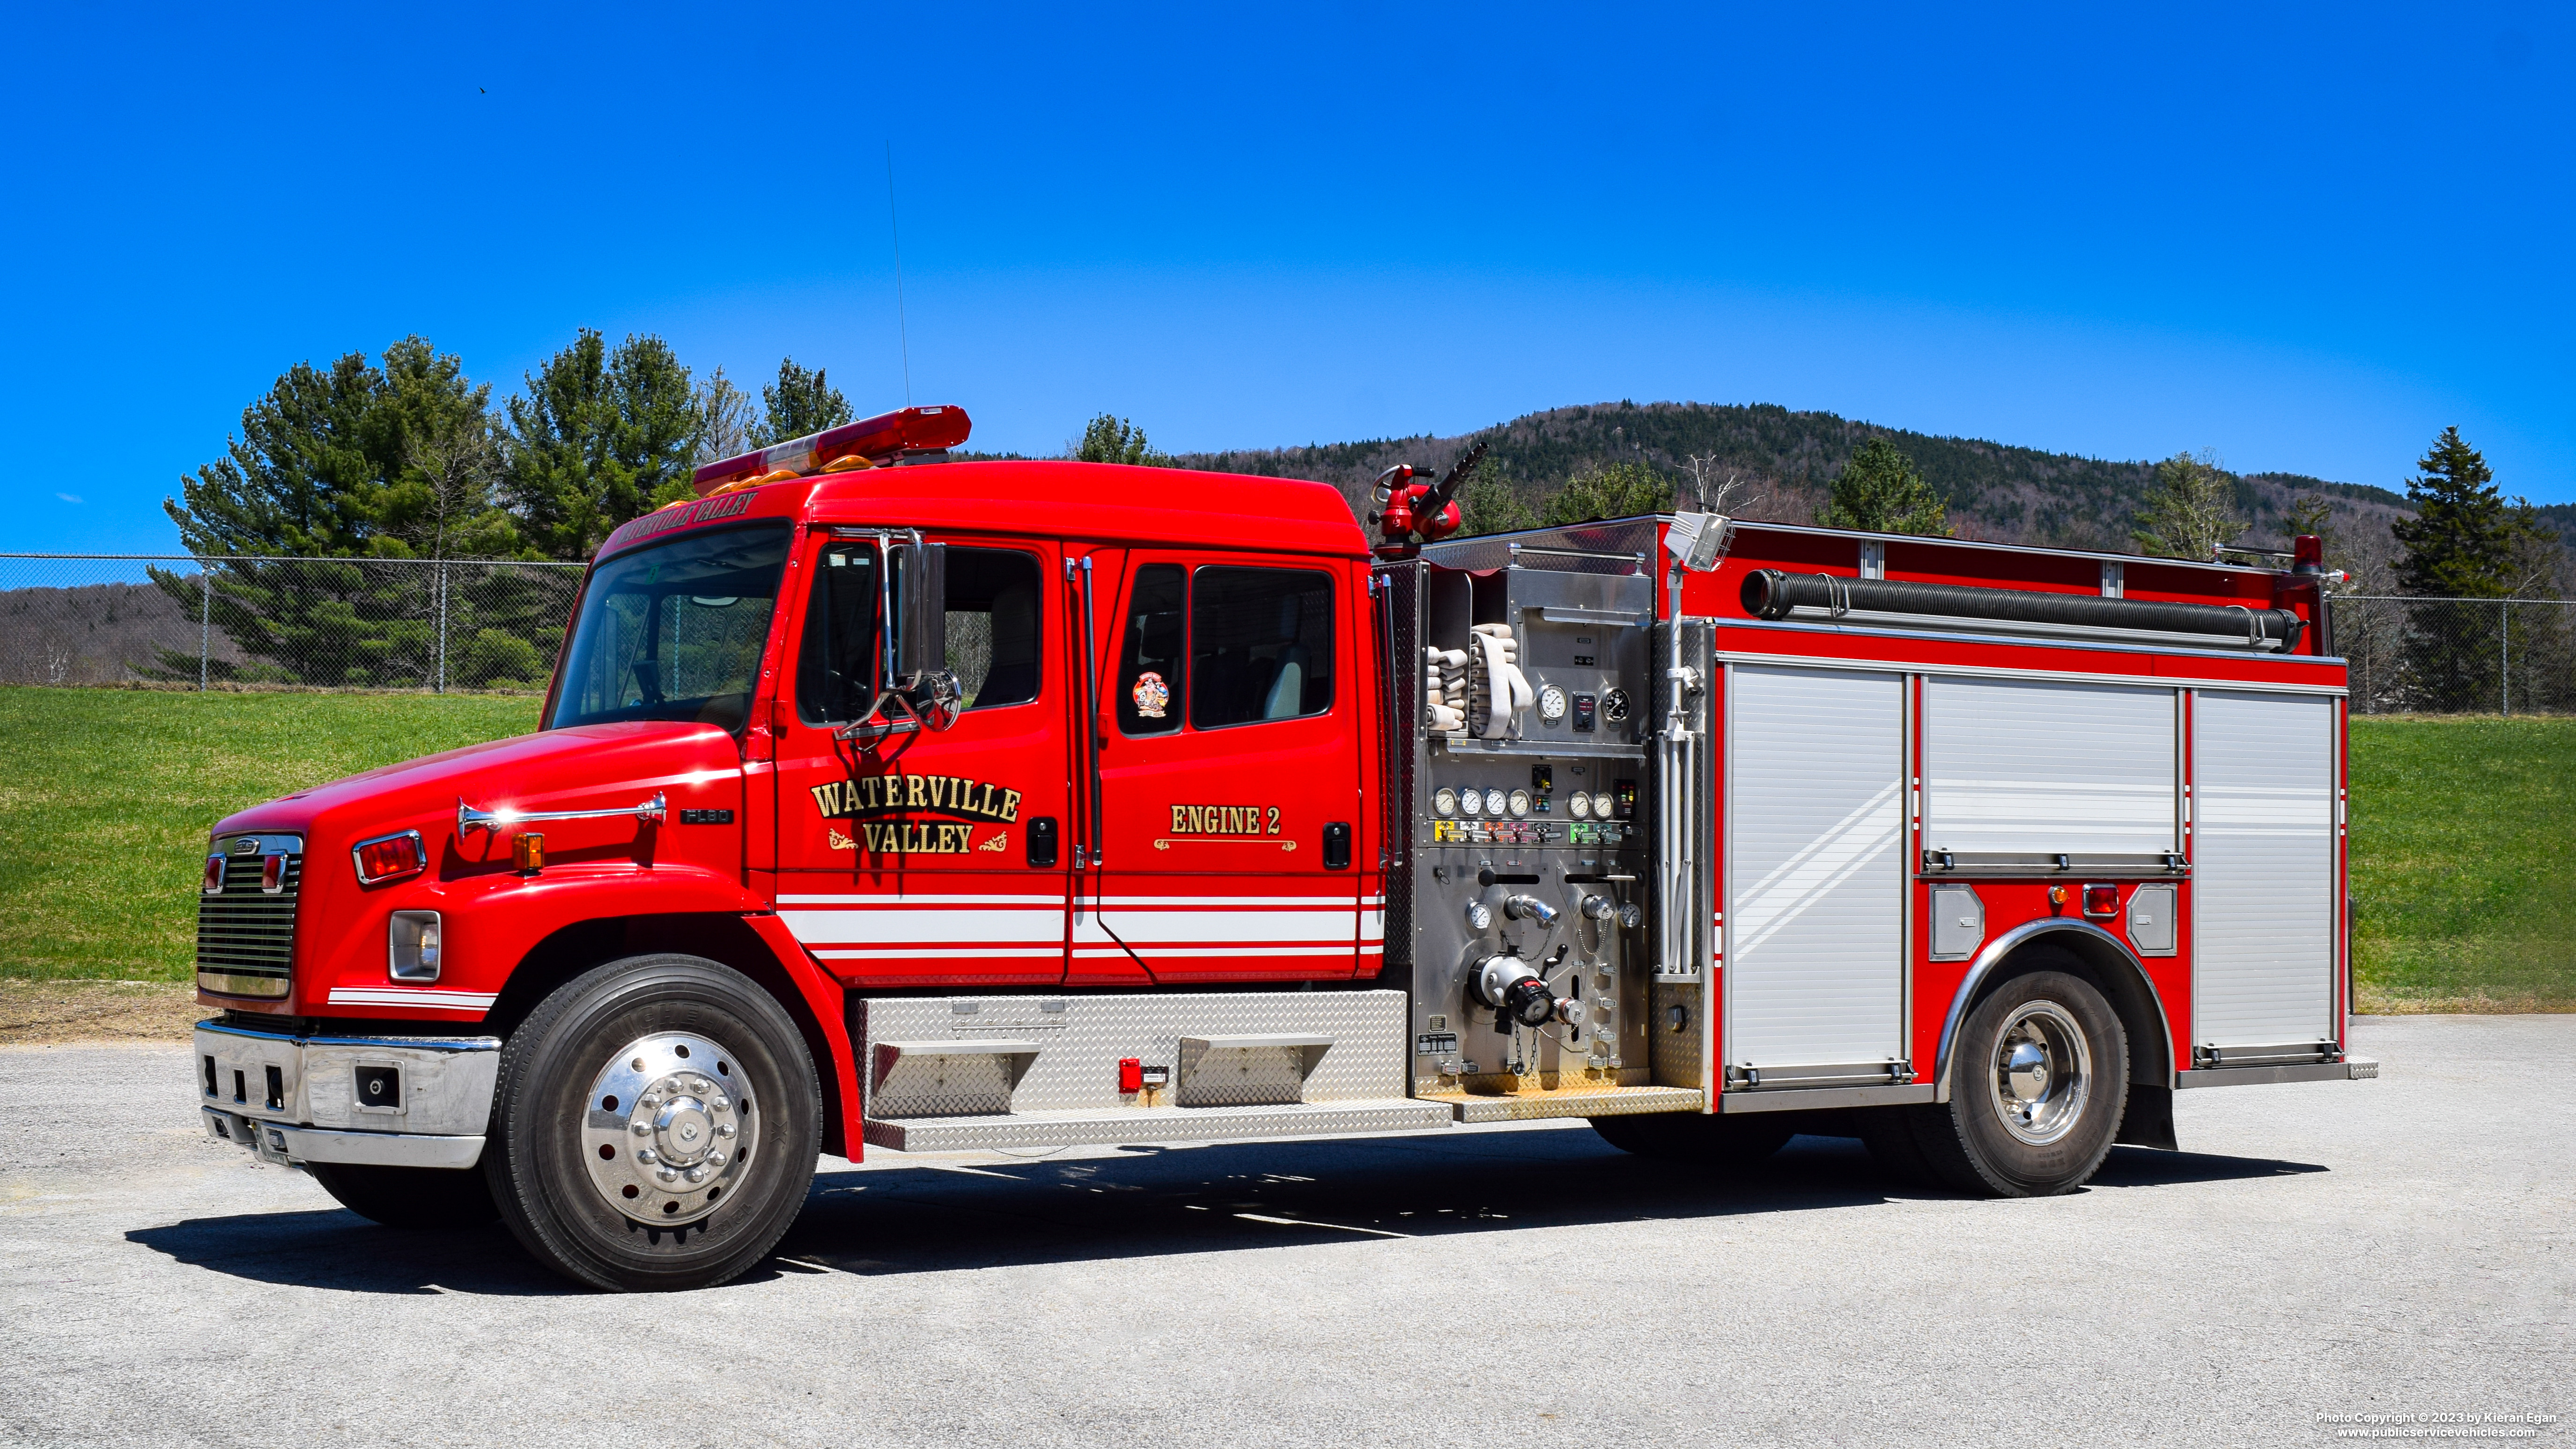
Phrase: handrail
(469, 819)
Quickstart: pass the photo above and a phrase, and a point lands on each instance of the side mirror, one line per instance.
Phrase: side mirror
(918, 645)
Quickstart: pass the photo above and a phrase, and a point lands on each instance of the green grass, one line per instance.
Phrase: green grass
(2464, 864)
(2463, 848)
(106, 796)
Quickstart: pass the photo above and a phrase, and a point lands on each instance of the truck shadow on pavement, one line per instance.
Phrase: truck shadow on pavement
(983, 1211)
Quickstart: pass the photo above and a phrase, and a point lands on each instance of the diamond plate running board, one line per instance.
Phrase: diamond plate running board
(1114, 1126)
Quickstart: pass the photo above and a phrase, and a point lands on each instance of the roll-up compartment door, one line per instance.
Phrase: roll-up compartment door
(1815, 973)
(2262, 927)
(2018, 772)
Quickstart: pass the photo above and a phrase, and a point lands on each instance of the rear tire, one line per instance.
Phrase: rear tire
(409, 1197)
(2039, 1079)
(1697, 1137)
(656, 1126)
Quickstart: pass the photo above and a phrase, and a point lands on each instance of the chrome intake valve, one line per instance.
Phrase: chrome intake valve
(1516, 993)
(1529, 908)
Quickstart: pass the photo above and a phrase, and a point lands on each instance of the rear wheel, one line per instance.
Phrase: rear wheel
(409, 1197)
(2038, 1082)
(1697, 1137)
(656, 1126)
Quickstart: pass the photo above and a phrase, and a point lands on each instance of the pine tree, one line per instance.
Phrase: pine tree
(2462, 539)
(600, 434)
(1107, 439)
(798, 405)
(2190, 513)
(1488, 504)
(1621, 490)
(1881, 491)
(352, 462)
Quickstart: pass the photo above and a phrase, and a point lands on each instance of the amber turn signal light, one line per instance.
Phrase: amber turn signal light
(528, 852)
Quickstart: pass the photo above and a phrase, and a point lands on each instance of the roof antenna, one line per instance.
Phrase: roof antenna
(903, 330)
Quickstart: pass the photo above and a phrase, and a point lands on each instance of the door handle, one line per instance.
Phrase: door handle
(1337, 845)
(1042, 842)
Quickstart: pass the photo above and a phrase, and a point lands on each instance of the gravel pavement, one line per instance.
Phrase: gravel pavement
(2399, 1246)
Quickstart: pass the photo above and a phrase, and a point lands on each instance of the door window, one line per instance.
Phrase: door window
(1261, 645)
(992, 608)
(1150, 676)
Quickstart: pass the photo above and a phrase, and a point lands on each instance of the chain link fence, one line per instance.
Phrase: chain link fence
(2457, 656)
(236, 622)
(480, 624)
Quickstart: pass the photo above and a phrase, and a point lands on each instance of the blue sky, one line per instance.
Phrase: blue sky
(2306, 238)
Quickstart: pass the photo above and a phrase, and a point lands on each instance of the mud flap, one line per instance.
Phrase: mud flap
(2149, 1119)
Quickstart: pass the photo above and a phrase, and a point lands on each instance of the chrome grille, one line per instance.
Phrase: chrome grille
(246, 936)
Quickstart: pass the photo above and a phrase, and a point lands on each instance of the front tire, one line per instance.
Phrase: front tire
(2038, 1083)
(656, 1126)
(409, 1197)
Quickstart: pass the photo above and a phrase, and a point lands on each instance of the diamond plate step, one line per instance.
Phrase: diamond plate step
(1595, 1102)
(1113, 1126)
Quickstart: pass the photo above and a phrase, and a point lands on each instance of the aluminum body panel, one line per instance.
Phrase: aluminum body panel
(1155, 1124)
(1218, 1072)
(1815, 969)
(1822, 1098)
(2036, 769)
(1081, 1039)
(2152, 915)
(2263, 860)
(1958, 923)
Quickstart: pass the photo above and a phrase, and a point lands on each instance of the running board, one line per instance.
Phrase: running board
(1121, 1126)
(1577, 1102)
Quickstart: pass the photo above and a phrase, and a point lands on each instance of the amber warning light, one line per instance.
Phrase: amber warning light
(868, 443)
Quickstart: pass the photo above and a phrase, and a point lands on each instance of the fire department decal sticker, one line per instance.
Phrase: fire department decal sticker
(1152, 695)
(886, 808)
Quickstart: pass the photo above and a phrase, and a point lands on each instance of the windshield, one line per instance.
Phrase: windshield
(674, 631)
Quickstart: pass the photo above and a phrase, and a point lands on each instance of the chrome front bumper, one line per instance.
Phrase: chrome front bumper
(379, 1101)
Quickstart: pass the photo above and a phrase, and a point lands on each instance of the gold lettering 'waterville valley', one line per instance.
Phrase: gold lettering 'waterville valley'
(870, 799)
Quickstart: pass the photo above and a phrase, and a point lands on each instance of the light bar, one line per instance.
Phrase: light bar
(867, 443)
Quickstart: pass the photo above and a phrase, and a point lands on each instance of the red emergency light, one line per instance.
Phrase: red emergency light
(867, 443)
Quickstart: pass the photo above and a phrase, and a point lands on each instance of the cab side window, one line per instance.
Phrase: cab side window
(1150, 673)
(993, 625)
(1261, 645)
(993, 631)
(836, 660)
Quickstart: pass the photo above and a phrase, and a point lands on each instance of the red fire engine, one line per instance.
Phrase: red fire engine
(1026, 804)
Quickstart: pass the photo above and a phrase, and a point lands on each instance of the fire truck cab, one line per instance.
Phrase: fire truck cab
(1027, 804)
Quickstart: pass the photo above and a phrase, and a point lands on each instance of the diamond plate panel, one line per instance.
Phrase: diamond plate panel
(1155, 1124)
(1217, 1076)
(942, 1086)
(1676, 1056)
(1081, 1039)
(1531, 1107)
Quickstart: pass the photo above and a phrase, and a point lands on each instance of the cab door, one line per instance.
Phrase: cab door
(1229, 770)
(915, 856)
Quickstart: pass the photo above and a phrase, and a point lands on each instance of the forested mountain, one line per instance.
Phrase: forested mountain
(1785, 459)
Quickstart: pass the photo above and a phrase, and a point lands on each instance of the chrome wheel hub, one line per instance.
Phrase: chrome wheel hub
(668, 1129)
(2042, 1073)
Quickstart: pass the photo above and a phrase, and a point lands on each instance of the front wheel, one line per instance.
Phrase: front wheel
(656, 1126)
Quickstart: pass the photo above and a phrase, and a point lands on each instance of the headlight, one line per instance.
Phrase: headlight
(412, 946)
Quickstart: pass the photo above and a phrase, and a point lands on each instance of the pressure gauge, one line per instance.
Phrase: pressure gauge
(1444, 802)
(1551, 703)
(1614, 706)
(1520, 803)
(1579, 805)
(1494, 803)
(1601, 806)
(1470, 803)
